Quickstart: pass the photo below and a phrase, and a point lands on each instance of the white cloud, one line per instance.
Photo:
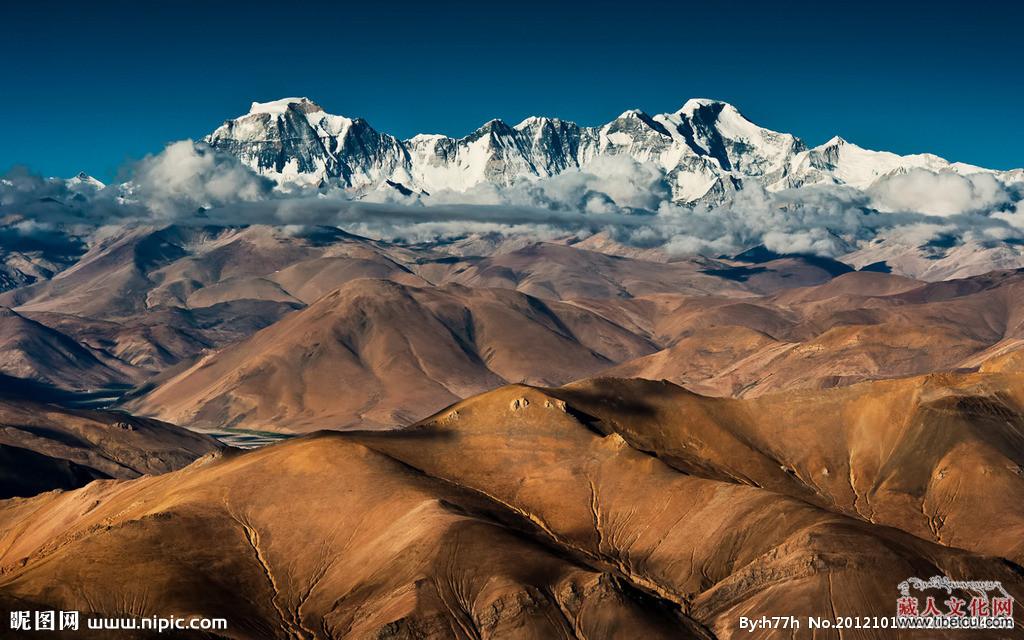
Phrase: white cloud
(627, 199)
(187, 175)
(605, 185)
(939, 194)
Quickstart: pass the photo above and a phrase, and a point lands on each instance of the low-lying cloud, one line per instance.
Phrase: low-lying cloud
(630, 201)
(189, 175)
(939, 194)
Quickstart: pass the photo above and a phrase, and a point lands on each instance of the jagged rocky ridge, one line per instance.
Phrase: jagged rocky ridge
(707, 150)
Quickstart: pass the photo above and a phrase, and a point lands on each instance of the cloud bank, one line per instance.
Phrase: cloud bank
(190, 182)
(939, 194)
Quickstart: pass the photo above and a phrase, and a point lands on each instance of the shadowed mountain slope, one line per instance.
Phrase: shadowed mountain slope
(939, 456)
(45, 446)
(37, 352)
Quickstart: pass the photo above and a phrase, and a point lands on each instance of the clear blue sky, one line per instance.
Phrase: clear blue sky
(90, 85)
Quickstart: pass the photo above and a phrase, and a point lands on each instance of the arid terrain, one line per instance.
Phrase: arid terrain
(609, 508)
(532, 321)
(501, 439)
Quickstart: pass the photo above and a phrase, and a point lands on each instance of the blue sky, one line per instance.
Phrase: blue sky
(92, 85)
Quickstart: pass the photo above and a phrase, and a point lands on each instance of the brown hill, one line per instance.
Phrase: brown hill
(858, 326)
(147, 299)
(135, 269)
(144, 304)
(382, 551)
(515, 514)
(566, 273)
(378, 353)
(44, 446)
(112, 278)
(939, 456)
(569, 272)
(34, 351)
(159, 339)
(636, 522)
(388, 353)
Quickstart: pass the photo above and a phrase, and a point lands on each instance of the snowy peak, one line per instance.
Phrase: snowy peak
(693, 105)
(633, 114)
(294, 141)
(540, 122)
(706, 149)
(834, 141)
(278, 107)
(84, 180)
(496, 127)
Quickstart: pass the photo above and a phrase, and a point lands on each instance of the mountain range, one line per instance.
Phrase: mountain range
(607, 508)
(507, 424)
(253, 327)
(707, 150)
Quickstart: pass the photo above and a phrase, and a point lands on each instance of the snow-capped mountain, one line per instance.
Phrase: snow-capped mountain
(84, 180)
(706, 149)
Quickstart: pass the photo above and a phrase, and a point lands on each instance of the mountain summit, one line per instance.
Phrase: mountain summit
(707, 149)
